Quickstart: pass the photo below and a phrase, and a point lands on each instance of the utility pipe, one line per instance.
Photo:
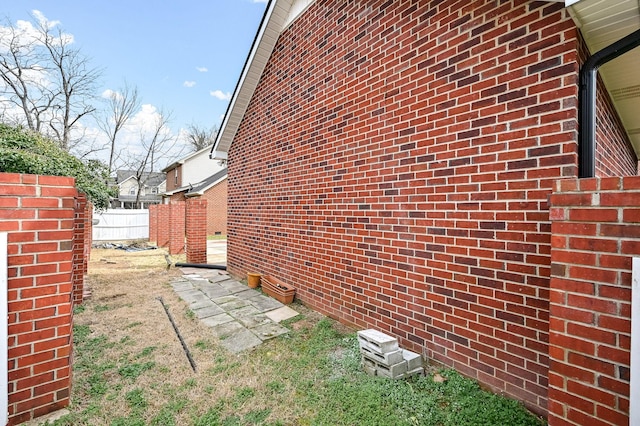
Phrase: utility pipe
(587, 114)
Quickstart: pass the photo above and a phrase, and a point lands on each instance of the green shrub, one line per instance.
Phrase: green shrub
(24, 151)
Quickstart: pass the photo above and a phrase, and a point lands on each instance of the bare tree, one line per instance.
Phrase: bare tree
(121, 106)
(27, 97)
(199, 137)
(51, 82)
(157, 145)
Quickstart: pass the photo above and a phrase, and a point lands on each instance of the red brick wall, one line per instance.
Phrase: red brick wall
(217, 209)
(395, 163)
(176, 227)
(163, 225)
(38, 212)
(216, 197)
(196, 230)
(81, 245)
(596, 231)
(153, 223)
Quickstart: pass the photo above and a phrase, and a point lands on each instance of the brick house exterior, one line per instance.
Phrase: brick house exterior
(394, 162)
(213, 189)
(196, 175)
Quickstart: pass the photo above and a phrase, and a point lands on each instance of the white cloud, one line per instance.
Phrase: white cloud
(202, 69)
(189, 83)
(220, 95)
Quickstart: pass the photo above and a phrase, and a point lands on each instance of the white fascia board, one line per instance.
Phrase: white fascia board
(218, 155)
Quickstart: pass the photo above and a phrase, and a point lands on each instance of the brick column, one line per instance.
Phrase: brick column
(196, 226)
(79, 248)
(176, 227)
(38, 212)
(153, 223)
(595, 232)
(163, 225)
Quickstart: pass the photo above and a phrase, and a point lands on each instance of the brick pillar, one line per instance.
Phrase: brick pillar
(153, 223)
(196, 222)
(176, 227)
(163, 225)
(79, 248)
(38, 212)
(595, 233)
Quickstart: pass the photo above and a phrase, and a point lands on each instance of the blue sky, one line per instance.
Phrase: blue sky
(184, 56)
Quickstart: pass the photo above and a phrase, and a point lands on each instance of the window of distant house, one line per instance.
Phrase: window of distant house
(175, 174)
(132, 191)
(154, 190)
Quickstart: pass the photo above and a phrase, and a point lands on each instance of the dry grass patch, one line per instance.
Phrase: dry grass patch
(130, 368)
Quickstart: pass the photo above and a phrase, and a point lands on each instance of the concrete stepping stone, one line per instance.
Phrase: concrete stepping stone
(281, 314)
(240, 341)
(219, 278)
(243, 311)
(208, 311)
(189, 296)
(253, 321)
(269, 331)
(223, 331)
(217, 320)
(233, 305)
(233, 286)
(182, 285)
(215, 292)
(265, 303)
(200, 304)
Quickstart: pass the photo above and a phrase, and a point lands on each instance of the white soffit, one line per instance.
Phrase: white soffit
(603, 22)
(278, 16)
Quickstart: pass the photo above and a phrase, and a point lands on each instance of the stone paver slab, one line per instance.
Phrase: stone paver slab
(201, 304)
(190, 295)
(215, 292)
(269, 331)
(233, 286)
(240, 341)
(182, 285)
(217, 320)
(265, 303)
(223, 331)
(281, 314)
(243, 311)
(233, 305)
(208, 311)
(253, 321)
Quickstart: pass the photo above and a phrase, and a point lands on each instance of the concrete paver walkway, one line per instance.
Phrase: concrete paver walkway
(239, 316)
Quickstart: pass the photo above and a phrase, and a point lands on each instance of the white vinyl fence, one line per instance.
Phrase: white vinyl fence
(121, 224)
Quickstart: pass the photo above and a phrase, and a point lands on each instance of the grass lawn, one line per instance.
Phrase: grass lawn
(130, 368)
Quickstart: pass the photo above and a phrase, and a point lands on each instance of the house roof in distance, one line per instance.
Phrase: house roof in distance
(152, 179)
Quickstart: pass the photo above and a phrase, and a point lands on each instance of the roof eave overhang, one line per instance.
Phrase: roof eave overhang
(279, 14)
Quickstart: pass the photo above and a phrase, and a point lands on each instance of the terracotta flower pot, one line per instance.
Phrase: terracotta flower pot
(253, 280)
(277, 289)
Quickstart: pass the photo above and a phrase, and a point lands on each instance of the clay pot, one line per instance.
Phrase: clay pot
(253, 280)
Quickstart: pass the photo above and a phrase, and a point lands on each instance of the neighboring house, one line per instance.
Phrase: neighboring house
(197, 175)
(128, 188)
(394, 161)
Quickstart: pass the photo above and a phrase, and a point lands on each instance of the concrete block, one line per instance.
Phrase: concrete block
(415, 372)
(413, 359)
(377, 341)
(396, 371)
(389, 358)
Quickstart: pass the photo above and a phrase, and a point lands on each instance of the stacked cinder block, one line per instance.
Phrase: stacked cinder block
(381, 356)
